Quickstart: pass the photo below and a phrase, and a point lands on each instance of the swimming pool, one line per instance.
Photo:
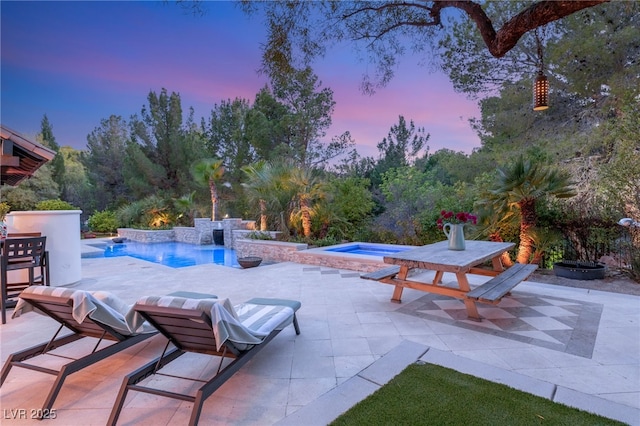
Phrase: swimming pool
(173, 254)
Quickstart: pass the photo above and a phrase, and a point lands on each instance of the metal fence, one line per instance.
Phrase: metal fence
(618, 250)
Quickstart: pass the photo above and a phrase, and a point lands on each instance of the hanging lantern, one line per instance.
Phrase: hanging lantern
(541, 92)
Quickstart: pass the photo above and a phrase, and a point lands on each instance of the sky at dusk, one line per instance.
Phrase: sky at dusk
(79, 62)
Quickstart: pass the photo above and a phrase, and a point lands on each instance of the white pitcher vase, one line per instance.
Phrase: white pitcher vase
(455, 235)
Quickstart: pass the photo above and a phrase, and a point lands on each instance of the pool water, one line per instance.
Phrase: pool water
(174, 255)
(367, 249)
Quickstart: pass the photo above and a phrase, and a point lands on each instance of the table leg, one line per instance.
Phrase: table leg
(438, 278)
(397, 291)
(496, 262)
(470, 304)
(397, 294)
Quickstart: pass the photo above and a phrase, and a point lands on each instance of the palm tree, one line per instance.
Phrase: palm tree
(516, 193)
(208, 172)
(185, 206)
(308, 189)
(258, 187)
(268, 186)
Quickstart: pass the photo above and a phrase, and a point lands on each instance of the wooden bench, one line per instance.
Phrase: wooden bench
(494, 289)
(381, 274)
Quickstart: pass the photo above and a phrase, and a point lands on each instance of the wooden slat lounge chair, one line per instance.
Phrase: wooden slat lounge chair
(99, 315)
(207, 327)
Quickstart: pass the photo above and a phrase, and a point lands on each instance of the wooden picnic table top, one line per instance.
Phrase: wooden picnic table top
(438, 257)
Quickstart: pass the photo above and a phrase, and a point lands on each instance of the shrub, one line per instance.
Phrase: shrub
(4, 209)
(325, 242)
(148, 213)
(104, 221)
(54, 205)
(259, 235)
(315, 242)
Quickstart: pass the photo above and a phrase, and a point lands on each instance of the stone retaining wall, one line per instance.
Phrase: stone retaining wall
(278, 251)
(240, 234)
(181, 234)
(185, 234)
(275, 251)
(351, 263)
(147, 236)
(201, 233)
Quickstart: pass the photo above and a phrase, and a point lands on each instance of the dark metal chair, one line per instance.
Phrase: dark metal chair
(23, 234)
(18, 254)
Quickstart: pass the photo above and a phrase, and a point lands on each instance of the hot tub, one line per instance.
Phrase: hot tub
(366, 249)
(354, 256)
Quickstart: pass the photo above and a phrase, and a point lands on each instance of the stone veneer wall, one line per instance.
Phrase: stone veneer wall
(185, 234)
(147, 236)
(201, 233)
(341, 262)
(278, 251)
(239, 234)
(182, 234)
(232, 226)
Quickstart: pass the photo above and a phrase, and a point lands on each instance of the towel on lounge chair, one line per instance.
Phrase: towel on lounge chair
(206, 326)
(97, 315)
(245, 324)
(100, 306)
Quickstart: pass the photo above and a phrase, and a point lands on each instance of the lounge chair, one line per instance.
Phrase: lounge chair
(208, 327)
(86, 314)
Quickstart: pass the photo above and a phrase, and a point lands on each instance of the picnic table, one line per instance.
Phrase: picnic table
(437, 257)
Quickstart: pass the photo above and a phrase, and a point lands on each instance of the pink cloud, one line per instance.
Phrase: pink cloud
(110, 69)
(428, 100)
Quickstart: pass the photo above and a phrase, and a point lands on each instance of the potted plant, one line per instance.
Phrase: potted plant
(453, 226)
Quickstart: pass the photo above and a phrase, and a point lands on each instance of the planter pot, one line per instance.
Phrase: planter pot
(249, 262)
(579, 270)
(62, 229)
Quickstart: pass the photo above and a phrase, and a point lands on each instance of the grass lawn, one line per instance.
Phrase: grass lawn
(427, 394)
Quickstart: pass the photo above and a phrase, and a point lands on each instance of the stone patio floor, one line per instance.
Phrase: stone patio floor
(575, 346)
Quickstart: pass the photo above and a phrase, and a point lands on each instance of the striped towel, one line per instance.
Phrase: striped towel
(100, 306)
(244, 325)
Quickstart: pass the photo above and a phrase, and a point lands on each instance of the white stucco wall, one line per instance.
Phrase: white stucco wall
(62, 229)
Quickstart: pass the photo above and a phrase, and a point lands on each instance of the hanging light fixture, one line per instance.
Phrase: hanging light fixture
(541, 85)
(541, 92)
